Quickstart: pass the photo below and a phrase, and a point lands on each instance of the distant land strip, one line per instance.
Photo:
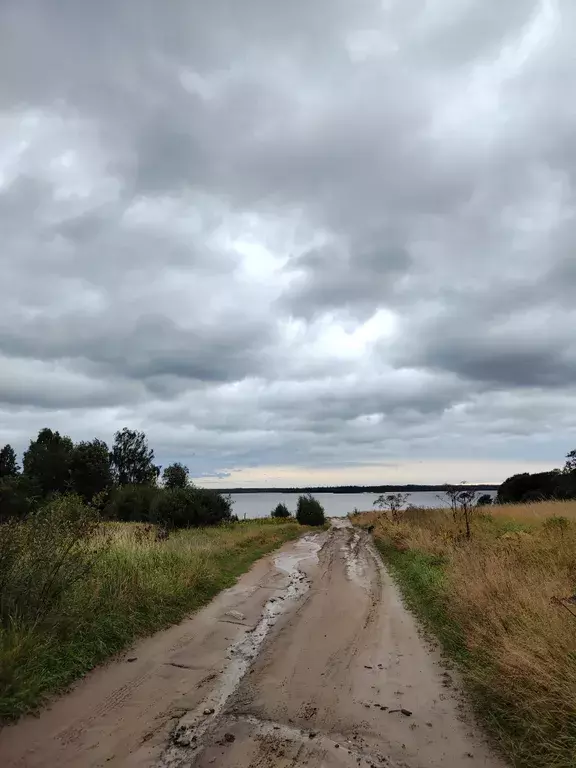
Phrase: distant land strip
(362, 489)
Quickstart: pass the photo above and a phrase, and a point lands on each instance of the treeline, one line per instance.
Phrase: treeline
(360, 489)
(541, 486)
(122, 482)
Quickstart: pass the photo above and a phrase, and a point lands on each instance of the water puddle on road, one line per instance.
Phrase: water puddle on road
(306, 548)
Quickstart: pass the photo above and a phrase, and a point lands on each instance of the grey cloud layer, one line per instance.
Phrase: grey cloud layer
(202, 207)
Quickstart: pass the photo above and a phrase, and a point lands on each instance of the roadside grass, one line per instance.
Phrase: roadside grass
(132, 586)
(497, 603)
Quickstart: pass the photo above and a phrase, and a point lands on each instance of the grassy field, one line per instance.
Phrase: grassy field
(498, 604)
(69, 601)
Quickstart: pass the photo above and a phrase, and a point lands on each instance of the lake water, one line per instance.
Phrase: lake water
(251, 505)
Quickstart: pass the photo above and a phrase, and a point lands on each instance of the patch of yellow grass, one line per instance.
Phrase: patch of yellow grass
(504, 591)
(535, 512)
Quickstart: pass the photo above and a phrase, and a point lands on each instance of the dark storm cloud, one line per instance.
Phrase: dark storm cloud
(270, 231)
(151, 346)
(344, 277)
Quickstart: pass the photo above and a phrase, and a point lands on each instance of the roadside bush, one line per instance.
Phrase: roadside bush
(132, 503)
(170, 507)
(309, 511)
(281, 510)
(43, 556)
(212, 507)
(190, 507)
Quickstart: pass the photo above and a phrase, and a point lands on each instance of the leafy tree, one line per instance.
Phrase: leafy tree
(393, 502)
(309, 511)
(525, 487)
(570, 465)
(281, 510)
(91, 469)
(132, 460)
(175, 476)
(48, 462)
(8, 464)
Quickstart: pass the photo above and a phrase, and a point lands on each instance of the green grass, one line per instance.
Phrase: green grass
(421, 580)
(135, 586)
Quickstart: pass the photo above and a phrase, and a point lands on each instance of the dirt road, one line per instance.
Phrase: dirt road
(310, 660)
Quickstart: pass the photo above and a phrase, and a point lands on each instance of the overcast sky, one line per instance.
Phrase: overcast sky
(316, 241)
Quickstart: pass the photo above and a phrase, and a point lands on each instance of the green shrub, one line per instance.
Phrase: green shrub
(173, 508)
(211, 507)
(170, 507)
(132, 503)
(309, 511)
(281, 510)
(190, 507)
(43, 556)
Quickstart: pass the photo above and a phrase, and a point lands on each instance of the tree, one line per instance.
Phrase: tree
(309, 511)
(570, 465)
(484, 501)
(8, 464)
(91, 469)
(393, 502)
(48, 462)
(175, 476)
(132, 460)
(525, 487)
(281, 510)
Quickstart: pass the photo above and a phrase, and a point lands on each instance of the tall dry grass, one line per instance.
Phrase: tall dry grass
(501, 603)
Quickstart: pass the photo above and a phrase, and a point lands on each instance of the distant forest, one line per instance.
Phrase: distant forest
(541, 486)
(360, 489)
(114, 478)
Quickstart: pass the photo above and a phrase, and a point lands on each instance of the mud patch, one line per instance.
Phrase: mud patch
(267, 743)
(188, 736)
(357, 567)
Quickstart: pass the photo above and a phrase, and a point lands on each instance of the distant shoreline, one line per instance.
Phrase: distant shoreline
(361, 489)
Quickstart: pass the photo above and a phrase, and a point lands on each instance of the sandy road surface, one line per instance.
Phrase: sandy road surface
(310, 660)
